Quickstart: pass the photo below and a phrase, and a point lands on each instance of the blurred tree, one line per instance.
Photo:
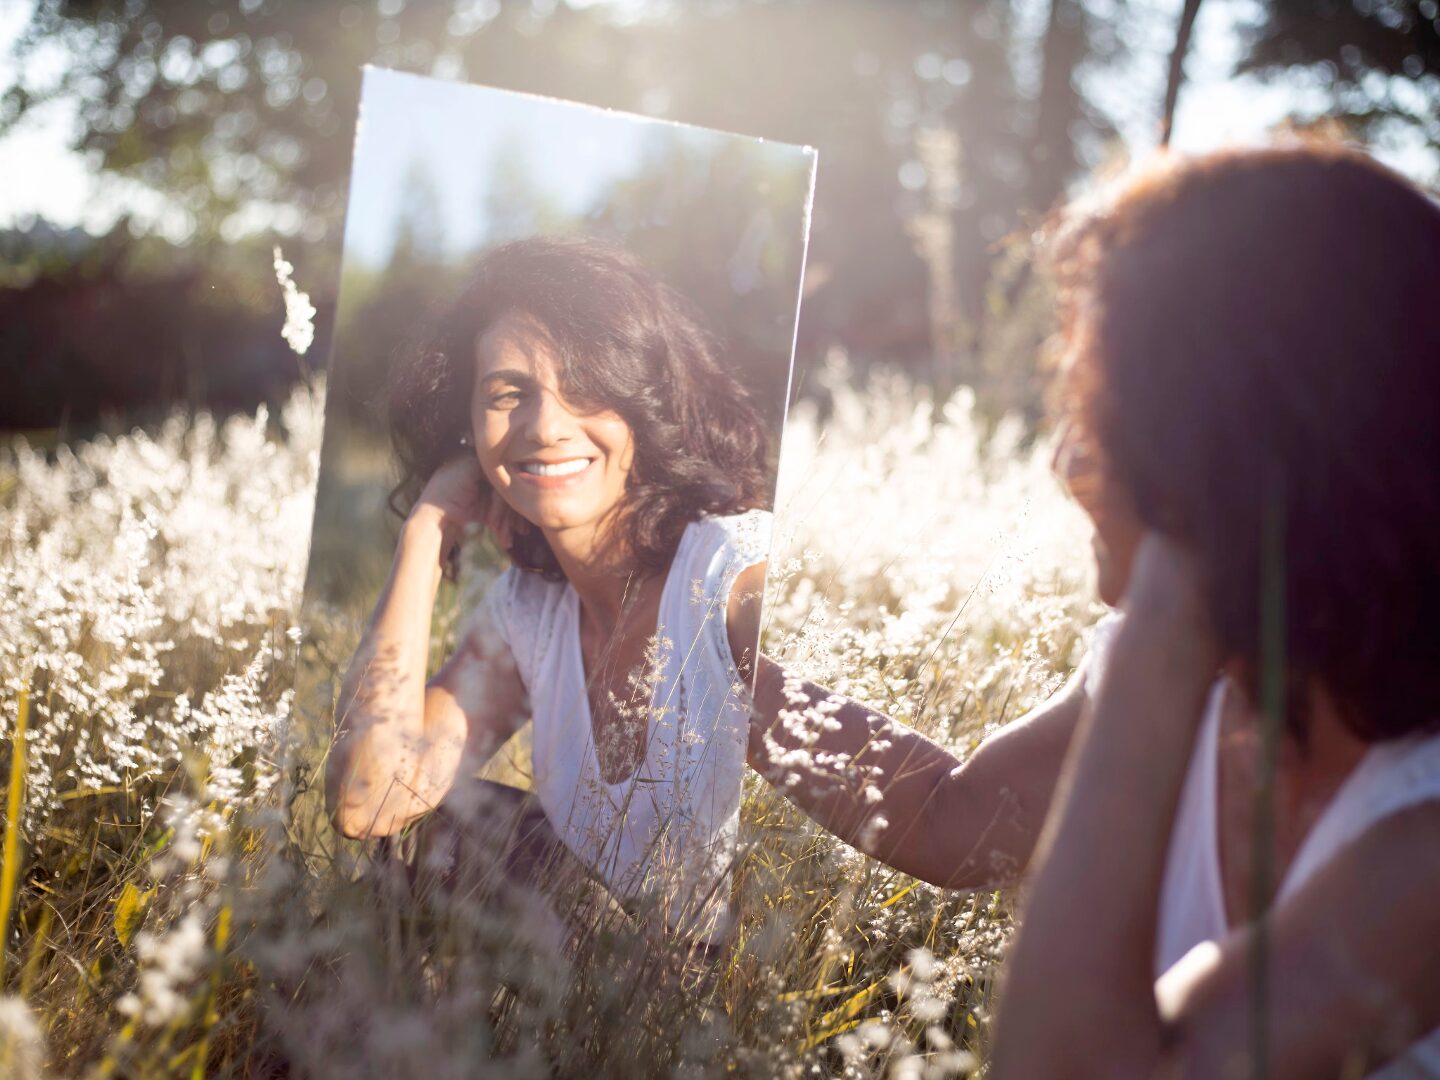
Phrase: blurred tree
(1378, 61)
(239, 112)
(1058, 104)
(111, 331)
(383, 305)
(420, 232)
(862, 82)
(1176, 74)
(239, 109)
(743, 207)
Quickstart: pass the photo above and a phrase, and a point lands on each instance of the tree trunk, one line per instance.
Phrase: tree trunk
(1052, 152)
(1177, 68)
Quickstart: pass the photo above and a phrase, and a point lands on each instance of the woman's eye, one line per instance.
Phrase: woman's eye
(506, 400)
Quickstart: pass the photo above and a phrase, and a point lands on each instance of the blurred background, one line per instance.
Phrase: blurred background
(153, 151)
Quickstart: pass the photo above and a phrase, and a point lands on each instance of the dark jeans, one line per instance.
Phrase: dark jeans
(485, 838)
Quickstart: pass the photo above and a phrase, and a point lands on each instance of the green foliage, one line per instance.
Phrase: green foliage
(1377, 63)
(241, 113)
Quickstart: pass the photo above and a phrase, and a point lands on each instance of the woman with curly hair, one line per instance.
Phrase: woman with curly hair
(1231, 814)
(572, 404)
(1251, 809)
(1230, 817)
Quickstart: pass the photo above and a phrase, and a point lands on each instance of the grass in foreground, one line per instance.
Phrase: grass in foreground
(161, 924)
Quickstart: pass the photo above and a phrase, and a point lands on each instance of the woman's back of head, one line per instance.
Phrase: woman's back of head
(1256, 340)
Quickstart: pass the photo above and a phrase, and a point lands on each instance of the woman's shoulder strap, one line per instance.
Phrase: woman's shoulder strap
(712, 553)
(1394, 775)
(743, 537)
(720, 547)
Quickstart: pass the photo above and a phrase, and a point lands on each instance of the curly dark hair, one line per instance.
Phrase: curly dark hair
(1260, 325)
(623, 341)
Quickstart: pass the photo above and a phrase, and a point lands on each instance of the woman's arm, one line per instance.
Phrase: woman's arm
(1081, 986)
(1079, 994)
(1351, 958)
(885, 788)
(1354, 967)
(400, 742)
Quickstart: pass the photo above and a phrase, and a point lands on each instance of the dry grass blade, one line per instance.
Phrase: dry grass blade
(14, 802)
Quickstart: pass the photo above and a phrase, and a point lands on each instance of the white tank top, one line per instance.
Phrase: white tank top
(669, 829)
(1393, 775)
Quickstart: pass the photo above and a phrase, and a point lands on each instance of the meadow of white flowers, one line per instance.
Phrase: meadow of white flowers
(156, 924)
(141, 582)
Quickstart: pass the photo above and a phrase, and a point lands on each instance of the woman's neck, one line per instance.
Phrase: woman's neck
(599, 567)
(1309, 773)
(1329, 749)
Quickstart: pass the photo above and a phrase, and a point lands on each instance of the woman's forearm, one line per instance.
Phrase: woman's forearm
(382, 770)
(885, 788)
(862, 776)
(1090, 919)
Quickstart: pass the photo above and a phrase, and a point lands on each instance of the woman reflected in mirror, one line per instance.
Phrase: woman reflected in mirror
(572, 406)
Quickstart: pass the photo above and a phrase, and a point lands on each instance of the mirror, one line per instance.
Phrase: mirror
(561, 364)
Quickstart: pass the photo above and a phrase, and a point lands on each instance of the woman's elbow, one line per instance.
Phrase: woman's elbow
(352, 812)
(954, 850)
(362, 822)
(347, 818)
(349, 825)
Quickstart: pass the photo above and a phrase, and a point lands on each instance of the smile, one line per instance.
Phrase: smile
(559, 468)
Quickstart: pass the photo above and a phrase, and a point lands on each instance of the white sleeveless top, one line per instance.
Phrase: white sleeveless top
(669, 829)
(1394, 775)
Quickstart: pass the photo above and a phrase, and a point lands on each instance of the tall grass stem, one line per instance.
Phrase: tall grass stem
(14, 804)
(1273, 705)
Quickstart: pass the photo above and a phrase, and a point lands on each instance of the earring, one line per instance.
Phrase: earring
(464, 440)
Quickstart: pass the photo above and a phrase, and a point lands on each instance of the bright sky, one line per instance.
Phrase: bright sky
(570, 154)
(44, 177)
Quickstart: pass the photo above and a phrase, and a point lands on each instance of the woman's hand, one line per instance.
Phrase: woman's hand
(402, 740)
(459, 498)
(1104, 848)
(1165, 597)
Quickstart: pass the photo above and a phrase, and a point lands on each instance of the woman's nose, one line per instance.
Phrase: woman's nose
(549, 421)
(1075, 463)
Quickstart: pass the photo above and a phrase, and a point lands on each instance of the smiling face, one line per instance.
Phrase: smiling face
(557, 465)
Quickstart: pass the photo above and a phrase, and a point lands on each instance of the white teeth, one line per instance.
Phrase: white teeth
(564, 468)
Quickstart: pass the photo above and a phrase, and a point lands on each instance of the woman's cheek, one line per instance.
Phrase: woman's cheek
(490, 440)
(1114, 558)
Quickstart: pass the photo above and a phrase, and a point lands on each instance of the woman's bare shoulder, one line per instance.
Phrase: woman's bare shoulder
(1353, 955)
(743, 610)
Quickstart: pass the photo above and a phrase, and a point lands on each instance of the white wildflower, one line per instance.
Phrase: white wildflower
(22, 1041)
(299, 328)
(117, 559)
(169, 964)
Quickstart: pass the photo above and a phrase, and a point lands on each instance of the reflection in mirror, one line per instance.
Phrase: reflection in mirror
(533, 599)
